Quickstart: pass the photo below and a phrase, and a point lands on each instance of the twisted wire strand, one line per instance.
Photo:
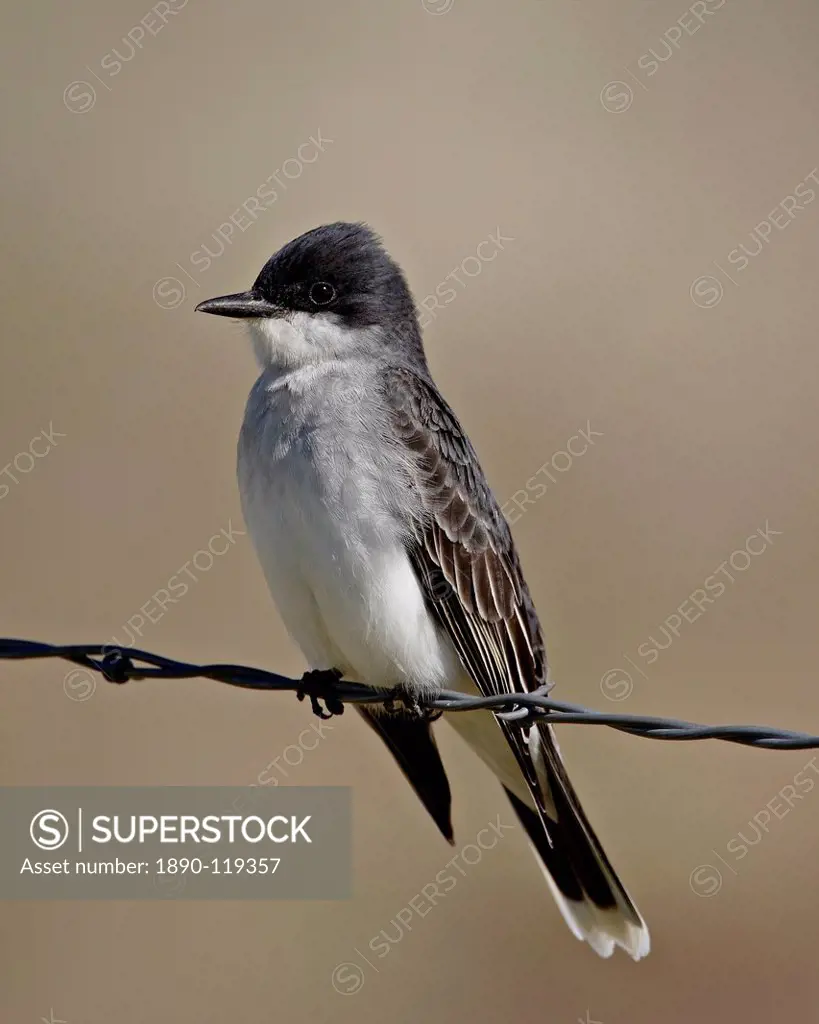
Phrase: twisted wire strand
(120, 665)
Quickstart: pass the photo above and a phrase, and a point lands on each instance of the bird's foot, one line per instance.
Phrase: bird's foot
(411, 706)
(318, 685)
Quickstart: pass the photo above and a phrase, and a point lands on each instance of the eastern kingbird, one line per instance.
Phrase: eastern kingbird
(386, 552)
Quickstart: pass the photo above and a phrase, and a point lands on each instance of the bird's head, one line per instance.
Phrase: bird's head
(329, 293)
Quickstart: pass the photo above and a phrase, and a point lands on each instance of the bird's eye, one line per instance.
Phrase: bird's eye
(321, 293)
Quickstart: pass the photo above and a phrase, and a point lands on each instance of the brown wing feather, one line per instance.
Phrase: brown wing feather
(464, 556)
(463, 550)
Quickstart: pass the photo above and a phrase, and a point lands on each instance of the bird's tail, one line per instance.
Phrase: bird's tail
(588, 892)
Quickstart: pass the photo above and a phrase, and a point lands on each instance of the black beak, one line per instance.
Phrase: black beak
(240, 305)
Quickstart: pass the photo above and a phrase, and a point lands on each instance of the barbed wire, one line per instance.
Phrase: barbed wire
(119, 665)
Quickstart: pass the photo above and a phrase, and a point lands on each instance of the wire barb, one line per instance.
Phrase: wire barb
(120, 666)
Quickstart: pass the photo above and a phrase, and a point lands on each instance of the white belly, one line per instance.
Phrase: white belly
(335, 560)
(341, 579)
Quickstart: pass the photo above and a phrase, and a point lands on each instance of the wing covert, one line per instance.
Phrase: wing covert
(462, 549)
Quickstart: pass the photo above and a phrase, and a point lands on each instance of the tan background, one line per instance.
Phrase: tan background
(444, 127)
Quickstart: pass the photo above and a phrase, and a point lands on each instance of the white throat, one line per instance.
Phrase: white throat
(298, 339)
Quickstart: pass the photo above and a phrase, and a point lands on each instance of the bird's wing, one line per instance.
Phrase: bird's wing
(465, 559)
(461, 547)
(411, 742)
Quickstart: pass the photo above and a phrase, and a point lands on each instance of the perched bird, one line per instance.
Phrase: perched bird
(386, 552)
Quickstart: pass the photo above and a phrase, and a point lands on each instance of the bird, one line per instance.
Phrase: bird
(387, 554)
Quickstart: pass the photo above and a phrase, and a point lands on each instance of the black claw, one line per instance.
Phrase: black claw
(411, 706)
(318, 685)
